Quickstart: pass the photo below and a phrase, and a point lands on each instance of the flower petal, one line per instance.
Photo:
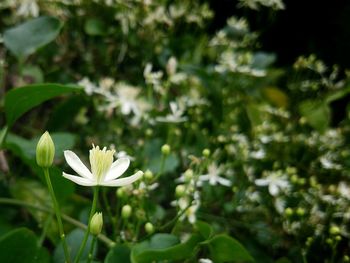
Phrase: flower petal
(77, 165)
(117, 169)
(79, 180)
(224, 181)
(123, 181)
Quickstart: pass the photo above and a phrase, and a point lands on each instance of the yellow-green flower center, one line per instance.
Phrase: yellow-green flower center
(100, 161)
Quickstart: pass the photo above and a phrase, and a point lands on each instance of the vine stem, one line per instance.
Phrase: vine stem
(10, 201)
(87, 232)
(91, 249)
(58, 214)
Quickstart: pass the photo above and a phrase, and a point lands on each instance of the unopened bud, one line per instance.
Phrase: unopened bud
(126, 211)
(166, 149)
(149, 228)
(188, 175)
(45, 151)
(206, 153)
(180, 190)
(288, 211)
(334, 230)
(96, 224)
(148, 175)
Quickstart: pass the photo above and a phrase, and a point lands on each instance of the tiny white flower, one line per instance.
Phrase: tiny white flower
(177, 110)
(103, 170)
(213, 176)
(275, 181)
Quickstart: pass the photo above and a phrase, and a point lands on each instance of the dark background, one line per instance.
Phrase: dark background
(303, 28)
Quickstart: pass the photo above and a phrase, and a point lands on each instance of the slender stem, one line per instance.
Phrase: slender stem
(87, 232)
(109, 242)
(45, 227)
(109, 211)
(58, 214)
(91, 249)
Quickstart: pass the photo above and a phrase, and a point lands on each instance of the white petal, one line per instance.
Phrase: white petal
(117, 169)
(261, 182)
(273, 189)
(224, 181)
(77, 165)
(79, 180)
(123, 181)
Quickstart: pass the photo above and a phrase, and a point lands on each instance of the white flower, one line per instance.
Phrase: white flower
(28, 8)
(213, 176)
(177, 110)
(103, 170)
(275, 181)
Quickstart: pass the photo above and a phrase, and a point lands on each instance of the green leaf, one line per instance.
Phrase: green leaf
(316, 113)
(118, 254)
(224, 248)
(24, 39)
(95, 27)
(25, 149)
(204, 229)
(20, 100)
(164, 247)
(74, 240)
(20, 245)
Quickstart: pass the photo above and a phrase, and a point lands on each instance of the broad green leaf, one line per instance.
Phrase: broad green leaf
(25, 149)
(20, 245)
(3, 133)
(25, 39)
(118, 254)
(204, 229)
(336, 95)
(74, 240)
(224, 248)
(20, 100)
(316, 113)
(164, 247)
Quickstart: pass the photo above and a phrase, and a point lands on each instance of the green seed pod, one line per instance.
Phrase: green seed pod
(45, 151)
(96, 224)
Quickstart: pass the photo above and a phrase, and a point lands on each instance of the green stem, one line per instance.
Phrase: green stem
(58, 214)
(87, 232)
(9, 201)
(109, 211)
(91, 251)
(45, 227)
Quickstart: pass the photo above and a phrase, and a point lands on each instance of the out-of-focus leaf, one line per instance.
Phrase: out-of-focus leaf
(95, 27)
(254, 114)
(204, 229)
(224, 248)
(316, 113)
(73, 240)
(118, 254)
(20, 100)
(25, 149)
(20, 245)
(25, 39)
(34, 73)
(276, 96)
(336, 95)
(164, 247)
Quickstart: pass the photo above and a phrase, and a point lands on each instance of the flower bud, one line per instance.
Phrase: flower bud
(180, 190)
(148, 175)
(188, 175)
(334, 230)
(96, 224)
(206, 153)
(288, 211)
(165, 149)
(149, 228)
(120, 192)
(126, 211)
(300, 211)
(45, 151)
